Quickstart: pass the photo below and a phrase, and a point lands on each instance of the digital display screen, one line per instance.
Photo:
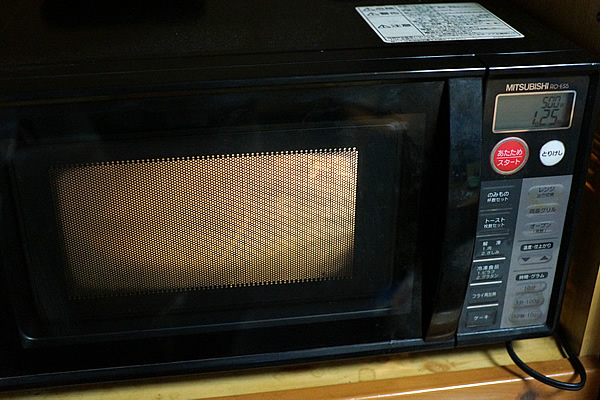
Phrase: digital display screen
(520, 112)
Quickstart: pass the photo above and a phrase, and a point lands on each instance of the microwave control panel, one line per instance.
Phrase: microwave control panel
(519, 233)
(529, 145)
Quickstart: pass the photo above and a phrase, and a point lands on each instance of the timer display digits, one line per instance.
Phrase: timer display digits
(519, 112)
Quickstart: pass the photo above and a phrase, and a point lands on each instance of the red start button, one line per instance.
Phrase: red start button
(509, 155)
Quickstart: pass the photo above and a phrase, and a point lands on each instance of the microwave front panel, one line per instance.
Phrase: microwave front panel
(278, 208)
(531, 138)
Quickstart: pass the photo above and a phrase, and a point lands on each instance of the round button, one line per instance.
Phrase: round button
(552, 153)
(509, 155)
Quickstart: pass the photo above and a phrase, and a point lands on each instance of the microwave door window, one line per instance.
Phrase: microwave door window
(147, 226)
(201, 230)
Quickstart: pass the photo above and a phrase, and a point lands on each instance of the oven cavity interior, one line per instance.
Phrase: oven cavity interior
(206, 222)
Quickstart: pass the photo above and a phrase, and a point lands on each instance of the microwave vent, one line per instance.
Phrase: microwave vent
(206, 222)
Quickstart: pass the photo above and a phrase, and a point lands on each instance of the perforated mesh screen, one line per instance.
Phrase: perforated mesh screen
(210, 222)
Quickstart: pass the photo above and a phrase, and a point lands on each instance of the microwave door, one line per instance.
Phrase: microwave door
(308, 228)
(343, 236)
(217, 232)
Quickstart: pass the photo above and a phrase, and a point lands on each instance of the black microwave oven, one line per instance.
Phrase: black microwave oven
(218, 185)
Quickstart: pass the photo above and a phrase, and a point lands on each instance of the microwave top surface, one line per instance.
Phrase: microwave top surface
(57, 37)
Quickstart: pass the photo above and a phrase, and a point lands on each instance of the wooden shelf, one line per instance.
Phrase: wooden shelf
(421, 375)
(499, 383)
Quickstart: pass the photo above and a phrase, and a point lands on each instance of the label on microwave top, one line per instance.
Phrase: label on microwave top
(435, 22)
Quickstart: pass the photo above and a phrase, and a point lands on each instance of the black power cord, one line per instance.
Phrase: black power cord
(571, 356)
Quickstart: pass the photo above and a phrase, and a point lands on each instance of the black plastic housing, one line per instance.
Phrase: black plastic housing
(100, 82)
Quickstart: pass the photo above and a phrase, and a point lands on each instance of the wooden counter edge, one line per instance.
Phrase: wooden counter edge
(502, 382)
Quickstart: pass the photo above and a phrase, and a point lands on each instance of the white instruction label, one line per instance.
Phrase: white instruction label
(435, 22)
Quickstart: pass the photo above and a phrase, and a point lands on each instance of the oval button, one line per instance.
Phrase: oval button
(509, 156)
(545, 193)
(528, 300)
(552, 153)
(540, 228)
(538, 210)
(532, 287)
(525, 316)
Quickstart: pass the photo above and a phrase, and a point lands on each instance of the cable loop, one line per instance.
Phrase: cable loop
(571, 356)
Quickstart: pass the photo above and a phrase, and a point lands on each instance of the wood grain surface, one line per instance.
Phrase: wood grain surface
(420, 374)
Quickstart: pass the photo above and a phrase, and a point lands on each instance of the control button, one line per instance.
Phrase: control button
(480, 318)
(531, 276)
(496, 223)
(537, 246)
(536, 259)
(532, 287)
(542, 209)
(540, 228)
(509, 156)
(544, 193)
(482, 295)
(552, 153)
(491, 248)
(488, 271)
(526, 316)
(528, 300)
(499, 197)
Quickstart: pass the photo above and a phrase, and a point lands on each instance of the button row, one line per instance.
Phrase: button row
(498, 223)
(511, 154)
(497, 207)
(537, 259)
(543, 208)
